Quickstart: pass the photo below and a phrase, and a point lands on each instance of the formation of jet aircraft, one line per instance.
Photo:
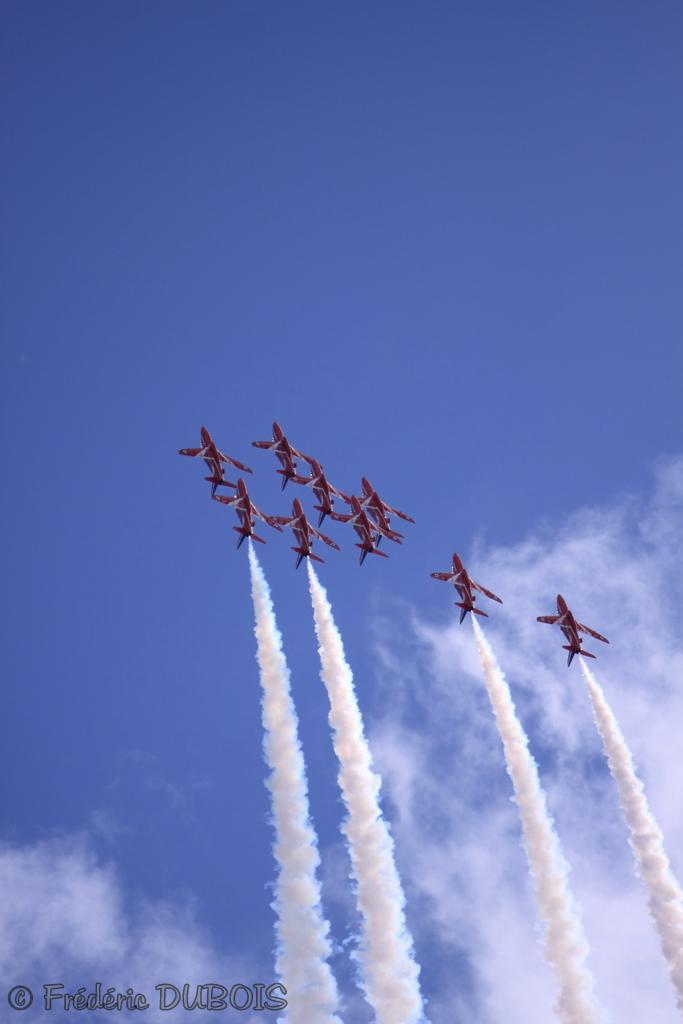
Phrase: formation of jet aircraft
(369, 515)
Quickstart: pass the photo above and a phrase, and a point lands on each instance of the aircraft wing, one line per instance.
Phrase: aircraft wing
(269, 520)
(591, 632)
(283, 520)
(551, 619)
(339, 494)
(192, 451)
(224, 499)
(395, 512)
(446, 576)
(233, 462)
(488, 593)
(390, 534)
(380, 523)
(322, 537)
(300, 455)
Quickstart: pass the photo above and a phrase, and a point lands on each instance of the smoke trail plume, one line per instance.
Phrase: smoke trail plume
(564, 942)
(389, 971)
(301, 930)
(665, 898)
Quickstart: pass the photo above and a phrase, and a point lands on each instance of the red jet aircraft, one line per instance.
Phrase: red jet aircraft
(304, 533)
(571, 629)
(324, 491)
(213, 458)
(377, 508)
(370, 532)
(465, 586)
(285, 452)
(246, 513)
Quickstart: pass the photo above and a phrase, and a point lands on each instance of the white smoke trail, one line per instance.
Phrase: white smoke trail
(389, 971)
(565, 946)
(665, 898)
(301, 930)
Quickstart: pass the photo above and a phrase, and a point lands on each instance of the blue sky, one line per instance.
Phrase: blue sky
(440, 243)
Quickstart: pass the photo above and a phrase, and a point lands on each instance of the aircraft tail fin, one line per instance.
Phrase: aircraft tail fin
(243, 536)
(370, 551)
(219, 481)
(286, 477)
(468, 608)
(584, 654)
(302, 553)
(323, 512)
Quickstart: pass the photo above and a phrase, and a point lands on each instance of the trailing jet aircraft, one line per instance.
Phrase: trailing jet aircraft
(246, 513)
(214, 458)
(286, 453)
(324, 491)
(304, 533)
(377, 508)
(370, 532)
(465, 586)
(571, 629)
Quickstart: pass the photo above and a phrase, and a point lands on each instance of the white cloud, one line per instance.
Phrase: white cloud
(458, 837)
(64, 918)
